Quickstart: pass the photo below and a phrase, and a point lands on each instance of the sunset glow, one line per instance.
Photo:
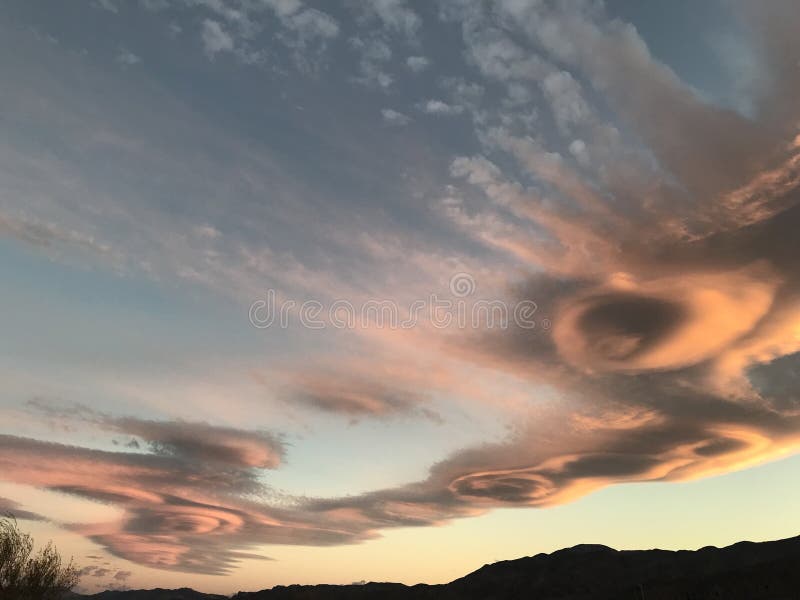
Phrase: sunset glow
(320, 292)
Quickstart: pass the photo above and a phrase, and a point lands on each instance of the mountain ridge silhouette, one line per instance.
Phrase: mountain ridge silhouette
(745, 570)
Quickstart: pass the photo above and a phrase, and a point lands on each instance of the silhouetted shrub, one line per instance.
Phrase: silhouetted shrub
(28, 576)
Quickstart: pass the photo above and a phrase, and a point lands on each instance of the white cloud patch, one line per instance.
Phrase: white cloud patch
(215, 38)
(311, 24)
(438, 107)
(577, 149)
(375, 53)
(246, 29)
(393, 117)
(307, 24)
(499, 57)
(417, 63)
(128, 58)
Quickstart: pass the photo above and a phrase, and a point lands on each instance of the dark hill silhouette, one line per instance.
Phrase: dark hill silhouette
(155, 594)
(744, 571)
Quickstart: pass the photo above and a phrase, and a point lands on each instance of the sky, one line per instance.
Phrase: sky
(323, 292)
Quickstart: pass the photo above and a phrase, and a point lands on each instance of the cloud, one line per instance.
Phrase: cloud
(46, 235)
(238, 27)
(94, 571)
(181, 439)
(497, 56)
(566, 100)
(312, 24)
(629, 430)
(128, 58)
(215, 38)
(438, 107)
(206, 442)
(594, 43)
(179, 512)
(418, 63)
(374, 55)
(354, 396)
(306, 31)
(577, 148)
(12, 508)
(394, 15)
(665, 323)
(665, 307)
(393, 117)
(661, 246)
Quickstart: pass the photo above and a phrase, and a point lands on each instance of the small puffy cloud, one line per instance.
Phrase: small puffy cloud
(393, 117)
(308, 24)
(417, 63)
(215, 38)
(499, 57)
(464, 93)
(438, 107)
(313, 24)
(375, 53)
(127, 58)
(577, 149)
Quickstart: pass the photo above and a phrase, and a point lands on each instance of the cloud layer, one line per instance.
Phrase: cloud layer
(653, 226)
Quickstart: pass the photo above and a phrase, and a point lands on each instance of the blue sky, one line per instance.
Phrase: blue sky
(625, 170)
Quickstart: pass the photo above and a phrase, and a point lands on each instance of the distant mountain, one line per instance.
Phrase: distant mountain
(744, 571)
(156, 594)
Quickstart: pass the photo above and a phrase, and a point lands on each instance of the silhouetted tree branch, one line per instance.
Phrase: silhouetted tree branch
(28, 576)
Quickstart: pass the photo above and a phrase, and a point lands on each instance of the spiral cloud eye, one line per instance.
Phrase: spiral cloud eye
(662, 324)
(513, 486)
(622, 326)
(188, 518)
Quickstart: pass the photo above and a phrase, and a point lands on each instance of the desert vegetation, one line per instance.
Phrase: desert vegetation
(26, 574)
